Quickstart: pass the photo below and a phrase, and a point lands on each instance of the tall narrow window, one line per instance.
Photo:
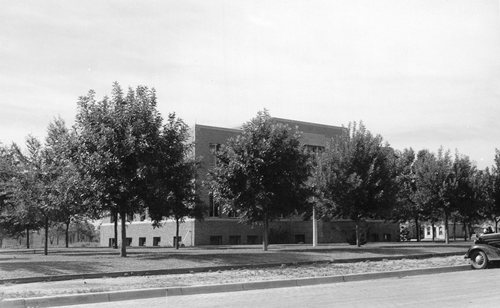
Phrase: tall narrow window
(214, 209)
(214, 148)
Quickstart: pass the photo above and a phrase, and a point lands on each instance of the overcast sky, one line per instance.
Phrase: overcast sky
(422, 73)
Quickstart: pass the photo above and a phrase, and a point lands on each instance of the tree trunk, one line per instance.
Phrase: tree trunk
(115, 244)
(265, 237)
(67, 233)
(417, 228)
(176, 233)
(46, 244)
(496, 225)
(465, 231)
(123, 252)
(433, 232)
(28, 237)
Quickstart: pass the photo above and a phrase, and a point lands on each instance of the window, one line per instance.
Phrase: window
(234, 239)
(112, 242)
(252, 239)
(214, 149)
(142, 241)
(214, 209)
(440, 230)
(129, 241)
(174, 240)
(143, 217)
(216, 240)
(156, 241)
(387, 237)
(314, 149)
(429, 231)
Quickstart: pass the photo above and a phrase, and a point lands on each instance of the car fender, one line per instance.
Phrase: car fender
(491, 252)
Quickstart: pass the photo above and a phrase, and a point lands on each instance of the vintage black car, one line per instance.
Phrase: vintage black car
(486, 249)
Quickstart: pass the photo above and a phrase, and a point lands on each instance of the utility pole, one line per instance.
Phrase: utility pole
(315, 227)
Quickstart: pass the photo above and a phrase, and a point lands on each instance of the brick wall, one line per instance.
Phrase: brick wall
(144, 229)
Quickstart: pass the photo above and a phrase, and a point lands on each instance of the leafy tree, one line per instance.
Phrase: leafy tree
(262, 173)
(116, 141)
(409, 206)
(470, 189)
(68, 188)
(316, 182)
(30, 193)
(172, 184)
(7, 172)
(16, 218)
(493, 210)
(361, 177)
(423, 170)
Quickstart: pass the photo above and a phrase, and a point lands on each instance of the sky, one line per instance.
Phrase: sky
(421, 73)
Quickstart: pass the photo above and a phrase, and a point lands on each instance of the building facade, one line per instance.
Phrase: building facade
(220, 229)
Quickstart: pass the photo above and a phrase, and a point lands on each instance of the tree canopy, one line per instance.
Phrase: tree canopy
(262, 173)
(128, 155)
(360, 177)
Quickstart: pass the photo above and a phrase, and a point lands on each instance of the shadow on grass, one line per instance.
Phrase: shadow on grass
(363, 250)
(50, 268)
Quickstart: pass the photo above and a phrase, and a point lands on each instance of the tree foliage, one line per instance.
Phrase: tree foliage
(132, 161)
(116, 142)
(360, 177)
(262, 173)
(172, 181)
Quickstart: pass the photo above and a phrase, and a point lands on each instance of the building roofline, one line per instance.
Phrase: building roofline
(288, 121)
(308, 123)
(218, 128)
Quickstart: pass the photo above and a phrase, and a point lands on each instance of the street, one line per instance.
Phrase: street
(460, 289)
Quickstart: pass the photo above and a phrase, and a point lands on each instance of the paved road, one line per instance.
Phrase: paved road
(459, 289)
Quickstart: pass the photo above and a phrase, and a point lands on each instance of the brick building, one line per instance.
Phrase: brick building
(218, 229)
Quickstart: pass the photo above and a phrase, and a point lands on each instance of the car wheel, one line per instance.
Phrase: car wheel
(479, 260)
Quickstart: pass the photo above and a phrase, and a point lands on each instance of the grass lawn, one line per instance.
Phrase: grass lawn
(219, 277)
(60, 261)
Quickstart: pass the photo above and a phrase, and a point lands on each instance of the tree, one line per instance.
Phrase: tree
(493, 210)
(360, 177)
(116, 141)
(30, 193)
(409, 206)
(172, 183)
(470, 190)
(18, 214)
(68, 188)
(262, 173)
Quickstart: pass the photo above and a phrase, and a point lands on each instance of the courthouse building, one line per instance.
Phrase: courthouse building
(219, 229)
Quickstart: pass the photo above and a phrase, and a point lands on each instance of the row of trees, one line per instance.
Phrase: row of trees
(119, 158)
(440, 188)
(122, 158)
(264, 174)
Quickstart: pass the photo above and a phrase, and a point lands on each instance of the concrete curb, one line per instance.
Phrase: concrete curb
(214, 268)
(51, 301)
